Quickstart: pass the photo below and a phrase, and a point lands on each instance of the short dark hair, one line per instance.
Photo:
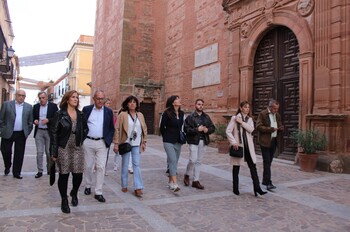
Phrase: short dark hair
(42, 92)
(199, 99)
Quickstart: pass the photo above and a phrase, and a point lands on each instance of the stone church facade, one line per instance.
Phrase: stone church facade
(227, 51)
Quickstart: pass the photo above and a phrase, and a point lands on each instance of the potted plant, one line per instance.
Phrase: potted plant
(222, 143)
(310, 141)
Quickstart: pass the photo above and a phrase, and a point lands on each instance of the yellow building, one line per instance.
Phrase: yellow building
(80, 64)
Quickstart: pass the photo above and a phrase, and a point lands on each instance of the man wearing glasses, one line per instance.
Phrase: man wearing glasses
(43, 113)
(16, 123)
(101, 130)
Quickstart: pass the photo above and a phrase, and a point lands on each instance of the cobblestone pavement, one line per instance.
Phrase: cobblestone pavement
(302, 201)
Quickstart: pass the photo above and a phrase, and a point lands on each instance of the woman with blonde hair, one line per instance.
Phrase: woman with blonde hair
(239, 133)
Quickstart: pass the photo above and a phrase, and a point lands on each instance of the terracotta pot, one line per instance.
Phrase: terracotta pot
(307, 162)
(223, 146)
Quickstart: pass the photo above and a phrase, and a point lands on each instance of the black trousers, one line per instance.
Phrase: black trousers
(267, 155)
(6, 149)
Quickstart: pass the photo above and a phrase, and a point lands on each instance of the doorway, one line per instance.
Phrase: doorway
(276, 75)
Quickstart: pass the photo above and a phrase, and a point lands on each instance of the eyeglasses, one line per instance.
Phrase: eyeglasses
(100, 99)
(42, 97)
(21, 95)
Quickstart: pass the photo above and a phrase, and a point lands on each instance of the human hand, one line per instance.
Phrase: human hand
(239, 120)
(44, 121)
(235, 146)
(116, 148)
(200, 128)
(205, 130)
(36, 122)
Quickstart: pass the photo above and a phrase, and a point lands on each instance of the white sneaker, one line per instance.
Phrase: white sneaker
(115, 168)
(173, 187)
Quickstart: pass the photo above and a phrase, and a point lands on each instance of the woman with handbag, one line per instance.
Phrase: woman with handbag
(130, 138)
(239, 133)
(68, 132)
(170, 128)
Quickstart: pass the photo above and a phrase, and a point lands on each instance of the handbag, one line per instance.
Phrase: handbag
(236, 153)
(124, 148)
(239, 152)
(183, 138)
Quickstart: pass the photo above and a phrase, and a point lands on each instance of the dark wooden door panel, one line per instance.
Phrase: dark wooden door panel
(147, 109)
(276, 75)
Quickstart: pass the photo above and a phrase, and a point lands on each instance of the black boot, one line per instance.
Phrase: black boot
(74, 196)
(255, 178)
(235, 179)
(65, 206)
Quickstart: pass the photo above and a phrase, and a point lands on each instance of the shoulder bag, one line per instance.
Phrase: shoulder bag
(124, 148)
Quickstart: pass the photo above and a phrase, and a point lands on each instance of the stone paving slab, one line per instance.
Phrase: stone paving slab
(302, 201)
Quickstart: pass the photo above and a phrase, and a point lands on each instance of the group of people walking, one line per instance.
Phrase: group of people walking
(78, 142)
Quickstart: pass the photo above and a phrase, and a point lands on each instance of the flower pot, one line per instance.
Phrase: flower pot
(223, 146)
(307, 162)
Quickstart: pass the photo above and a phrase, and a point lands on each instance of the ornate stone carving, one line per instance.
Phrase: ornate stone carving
(245, 29)
(305, 7)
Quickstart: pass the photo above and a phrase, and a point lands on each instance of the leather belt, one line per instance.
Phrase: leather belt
(42, 128)
(92, 138)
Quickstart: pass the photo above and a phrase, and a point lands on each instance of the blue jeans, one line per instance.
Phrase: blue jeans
(135, 154)
(173, 151)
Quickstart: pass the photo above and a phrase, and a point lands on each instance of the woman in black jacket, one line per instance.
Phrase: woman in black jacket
(68, 131)
(170, 127)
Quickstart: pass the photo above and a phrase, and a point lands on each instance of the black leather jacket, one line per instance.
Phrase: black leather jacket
(61, 129)
(191, 125)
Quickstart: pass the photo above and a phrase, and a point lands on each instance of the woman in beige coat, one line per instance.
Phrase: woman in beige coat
(131, 128)
(239, 133)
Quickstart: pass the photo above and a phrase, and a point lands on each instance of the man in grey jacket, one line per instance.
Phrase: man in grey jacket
(16, 123)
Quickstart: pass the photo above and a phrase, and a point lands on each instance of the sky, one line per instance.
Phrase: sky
(47, 26)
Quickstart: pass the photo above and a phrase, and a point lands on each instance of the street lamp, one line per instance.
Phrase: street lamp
(10, 52)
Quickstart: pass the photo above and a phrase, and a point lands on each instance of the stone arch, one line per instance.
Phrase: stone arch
(301, 29)
(294, 22)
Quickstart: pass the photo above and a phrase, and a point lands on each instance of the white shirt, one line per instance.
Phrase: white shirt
(42, 115)
(137, 129)
(18, 121)
(95, 123)
(273, 123)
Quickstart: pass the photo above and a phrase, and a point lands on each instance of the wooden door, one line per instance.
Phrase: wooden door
(147, 109)
(276, 75)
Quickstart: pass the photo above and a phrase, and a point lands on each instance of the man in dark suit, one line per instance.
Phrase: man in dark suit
(16, 123)
(99, 138)
(43, 113)
(269, 126)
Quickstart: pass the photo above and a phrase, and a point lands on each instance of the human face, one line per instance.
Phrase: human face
(73, 100)
(107, 103)
(199, 106)
(99, 99)
(132, 105)
(274, 108)
(245, 109)
(20, 96)
(43, 99)
(177, 102)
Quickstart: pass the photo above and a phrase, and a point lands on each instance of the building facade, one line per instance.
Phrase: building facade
(295, 51)
(8, 63)
(79, 70)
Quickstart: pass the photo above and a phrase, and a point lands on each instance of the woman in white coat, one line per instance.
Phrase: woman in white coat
(239, 133)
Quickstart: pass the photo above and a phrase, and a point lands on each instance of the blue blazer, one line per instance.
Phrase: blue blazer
(108, 122)
(51, 110)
